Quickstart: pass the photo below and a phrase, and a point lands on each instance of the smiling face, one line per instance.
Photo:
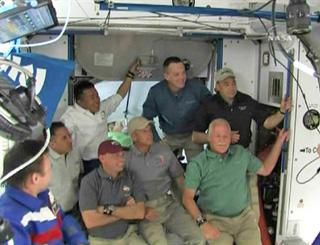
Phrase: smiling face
(175, 75)
(219, 136)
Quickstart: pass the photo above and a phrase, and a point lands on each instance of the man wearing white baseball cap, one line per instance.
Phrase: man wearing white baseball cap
(237, 108)
(156, 167)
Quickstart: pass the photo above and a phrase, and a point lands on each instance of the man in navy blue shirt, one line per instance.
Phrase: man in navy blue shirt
(175, 101)
(237, 108)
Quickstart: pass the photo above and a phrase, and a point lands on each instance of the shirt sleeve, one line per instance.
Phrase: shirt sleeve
(201, 119)
(204, 93)
(88, 196)
(72, 231)
(175, 168)
(150, 111)
(21, 236)
(110, 104)
(254, 164)
(138, 191)
(68, 121)
(192, 176)
(149, 106)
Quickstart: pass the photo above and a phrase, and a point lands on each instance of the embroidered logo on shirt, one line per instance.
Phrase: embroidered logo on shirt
(158, 161)
(242, 107)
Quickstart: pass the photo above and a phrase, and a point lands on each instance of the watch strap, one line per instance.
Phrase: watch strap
(200, 220)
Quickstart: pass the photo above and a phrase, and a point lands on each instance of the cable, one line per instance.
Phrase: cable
(237, 30)
(284, 52)
(290, 72)
(35, 157)
(306, 165)
(248, 11)
(50, 41)
(107, 20)
(127, 104)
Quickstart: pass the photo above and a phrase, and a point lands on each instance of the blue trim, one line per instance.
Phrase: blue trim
(71, 47)
(193, 10)
(286, 116)
(219, 52)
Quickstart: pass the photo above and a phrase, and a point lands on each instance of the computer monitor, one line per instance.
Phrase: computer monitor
(26, 20)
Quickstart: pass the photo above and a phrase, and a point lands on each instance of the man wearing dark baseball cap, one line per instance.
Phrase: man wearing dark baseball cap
(109, 197)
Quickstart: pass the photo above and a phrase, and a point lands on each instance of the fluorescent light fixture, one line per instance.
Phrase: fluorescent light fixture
(302, 67)
(25, 20)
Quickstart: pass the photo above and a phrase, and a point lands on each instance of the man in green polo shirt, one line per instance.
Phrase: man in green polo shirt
(223, 211)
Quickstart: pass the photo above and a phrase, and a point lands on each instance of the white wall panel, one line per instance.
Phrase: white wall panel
(299, 213)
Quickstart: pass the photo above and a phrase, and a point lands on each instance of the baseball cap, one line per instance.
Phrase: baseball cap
(137, 123)
(110, 146)
(224, 73)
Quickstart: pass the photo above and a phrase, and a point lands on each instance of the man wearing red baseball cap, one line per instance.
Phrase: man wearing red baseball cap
(109, 198)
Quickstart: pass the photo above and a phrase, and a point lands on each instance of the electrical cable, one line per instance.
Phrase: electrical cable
(237, 30)
(300, 89)
(107, 20)
(312, 177)
(50, 41)
(248, 11)
(290, 72)
(127, 104)
(284, 52)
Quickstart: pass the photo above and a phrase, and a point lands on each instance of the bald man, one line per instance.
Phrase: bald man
(223, 211)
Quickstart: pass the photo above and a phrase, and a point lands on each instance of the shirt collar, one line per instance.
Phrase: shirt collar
(25, 199)
(81, 109)
(221, 99)
(105, 175)
(136, 151)
(179, 93)
(53, 154)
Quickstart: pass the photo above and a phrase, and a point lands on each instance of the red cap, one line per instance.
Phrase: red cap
(110, 146)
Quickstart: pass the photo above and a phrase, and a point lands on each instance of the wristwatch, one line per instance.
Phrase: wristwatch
(200, 220)
(108, 209)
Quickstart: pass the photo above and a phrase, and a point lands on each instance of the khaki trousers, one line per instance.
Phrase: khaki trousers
(183, 141)
(242, 229)
(130, 238)
(173, 219)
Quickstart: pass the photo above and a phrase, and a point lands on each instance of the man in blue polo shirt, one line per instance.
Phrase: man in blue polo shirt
(223, 211)
(175, 101)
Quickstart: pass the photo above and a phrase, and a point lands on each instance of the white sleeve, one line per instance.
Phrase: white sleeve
(111, 103)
